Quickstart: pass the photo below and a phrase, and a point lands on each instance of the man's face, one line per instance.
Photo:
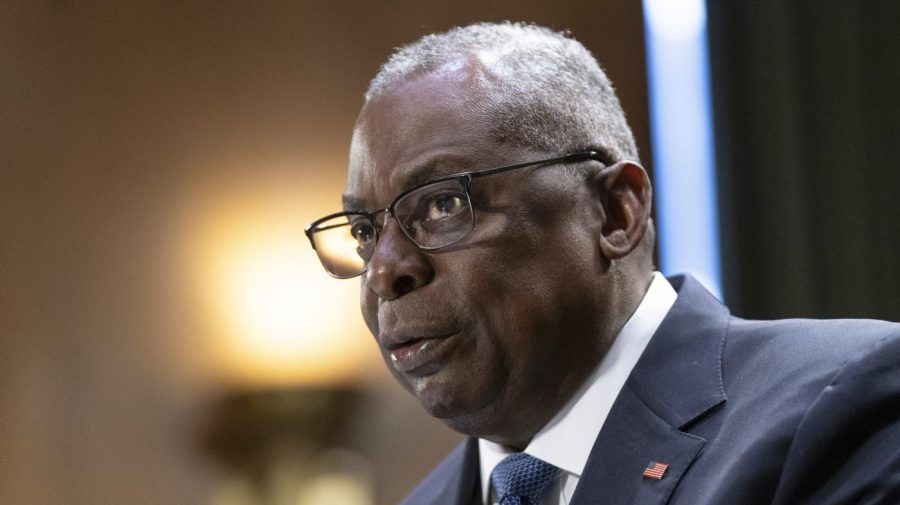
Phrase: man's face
(494, 333)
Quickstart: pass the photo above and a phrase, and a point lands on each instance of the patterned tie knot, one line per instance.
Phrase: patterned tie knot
(521, 479)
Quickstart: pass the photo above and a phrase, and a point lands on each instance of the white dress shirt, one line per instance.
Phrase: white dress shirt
(566, 441)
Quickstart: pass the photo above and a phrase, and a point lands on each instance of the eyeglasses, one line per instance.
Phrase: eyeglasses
(432, 215)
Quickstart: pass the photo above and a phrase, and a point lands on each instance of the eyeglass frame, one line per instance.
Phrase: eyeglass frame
(467, 176)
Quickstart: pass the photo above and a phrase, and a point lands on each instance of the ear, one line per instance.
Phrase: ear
(623, 197)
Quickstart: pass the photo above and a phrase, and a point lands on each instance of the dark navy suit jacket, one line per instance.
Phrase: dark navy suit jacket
(743, 412)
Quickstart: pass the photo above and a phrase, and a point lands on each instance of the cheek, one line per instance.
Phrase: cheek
(508, 310)
(527, 304)
(368, 304)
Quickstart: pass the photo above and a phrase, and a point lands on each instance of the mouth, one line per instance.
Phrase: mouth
(420, 356)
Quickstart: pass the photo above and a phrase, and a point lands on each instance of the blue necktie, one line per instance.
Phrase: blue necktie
(521, 479)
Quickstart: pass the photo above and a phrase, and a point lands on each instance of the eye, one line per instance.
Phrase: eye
(363, 231)
(443, 205)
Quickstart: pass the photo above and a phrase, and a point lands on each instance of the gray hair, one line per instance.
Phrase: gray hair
(546, 91)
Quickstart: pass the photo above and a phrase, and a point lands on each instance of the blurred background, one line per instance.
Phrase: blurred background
(168, 337)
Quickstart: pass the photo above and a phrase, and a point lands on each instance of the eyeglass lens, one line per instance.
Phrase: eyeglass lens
(432, 216)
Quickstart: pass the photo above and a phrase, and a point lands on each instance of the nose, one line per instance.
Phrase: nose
(397, 266)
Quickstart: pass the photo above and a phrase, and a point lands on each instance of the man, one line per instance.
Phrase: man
(498, 215)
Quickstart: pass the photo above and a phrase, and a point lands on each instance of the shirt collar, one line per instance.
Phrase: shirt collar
(566, 441)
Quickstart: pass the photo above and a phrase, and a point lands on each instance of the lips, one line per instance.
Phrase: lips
(417, 333)
(419, 355)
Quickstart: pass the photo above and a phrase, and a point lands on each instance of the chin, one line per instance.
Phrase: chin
(439, 400)
(465, 424)
(438, 393)
(461, 409)
(481, 424)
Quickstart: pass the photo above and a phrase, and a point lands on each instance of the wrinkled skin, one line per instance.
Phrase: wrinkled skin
(496, 332)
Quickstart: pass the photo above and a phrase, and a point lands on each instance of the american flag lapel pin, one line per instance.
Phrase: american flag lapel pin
(655, 470)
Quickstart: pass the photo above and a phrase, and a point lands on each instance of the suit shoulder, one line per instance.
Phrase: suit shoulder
(778, 369)
(796, 345)
(844, 449)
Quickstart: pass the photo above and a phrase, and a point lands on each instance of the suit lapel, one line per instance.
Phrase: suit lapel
(463, 485)
(614, 471)
(677, 380)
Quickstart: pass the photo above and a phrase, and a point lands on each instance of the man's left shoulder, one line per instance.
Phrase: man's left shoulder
(837, 384)
(850, 435)
(784, 368)
(823, 346)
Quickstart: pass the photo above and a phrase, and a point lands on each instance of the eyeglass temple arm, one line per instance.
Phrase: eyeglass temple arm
(569, 158)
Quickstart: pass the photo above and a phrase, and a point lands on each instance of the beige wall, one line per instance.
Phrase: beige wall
(123, 125)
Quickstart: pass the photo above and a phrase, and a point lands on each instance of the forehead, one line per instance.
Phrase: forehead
(425, 127)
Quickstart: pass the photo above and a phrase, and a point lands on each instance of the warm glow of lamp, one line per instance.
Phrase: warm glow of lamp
(275, 316)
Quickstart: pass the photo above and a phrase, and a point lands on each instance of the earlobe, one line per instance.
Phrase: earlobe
(623, 195)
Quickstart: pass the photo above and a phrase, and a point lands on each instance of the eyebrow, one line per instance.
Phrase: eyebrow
(433, 168)
(352, 203)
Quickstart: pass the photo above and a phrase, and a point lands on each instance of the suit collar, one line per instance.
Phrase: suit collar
(679, 376)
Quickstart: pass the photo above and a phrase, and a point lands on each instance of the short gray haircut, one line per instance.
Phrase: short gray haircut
(546, 91)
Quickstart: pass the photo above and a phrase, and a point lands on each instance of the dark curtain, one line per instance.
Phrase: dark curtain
(806, 98)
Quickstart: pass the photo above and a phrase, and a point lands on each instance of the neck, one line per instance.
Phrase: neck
(623, 294)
